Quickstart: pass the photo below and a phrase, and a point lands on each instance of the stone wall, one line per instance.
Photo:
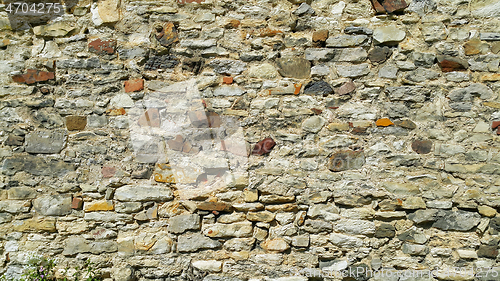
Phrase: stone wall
(251, 139)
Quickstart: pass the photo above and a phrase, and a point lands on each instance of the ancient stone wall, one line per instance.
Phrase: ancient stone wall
(251, 139)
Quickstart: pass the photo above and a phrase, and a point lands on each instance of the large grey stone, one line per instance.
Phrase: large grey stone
(198, 43)
(194, 241)
(228, 91)
(14, 206)
(294, 67)
(143, 193)
(36, 166)
(353, 71)
(181, 223)
(53, 205)
(456, 220)
(225, 66)
(79, 63)
(239, 229)
(343, 41)
(76, 245)
(354, 227)
(319, 54)
(351, 55)
(422, 7)
(47, 142)
(313, 124)
(408, 93)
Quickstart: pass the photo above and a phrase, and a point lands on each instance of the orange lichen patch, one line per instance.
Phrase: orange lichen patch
(384, 122)
(297, 88)
(116, 111)
(102, 205)
(267, 32)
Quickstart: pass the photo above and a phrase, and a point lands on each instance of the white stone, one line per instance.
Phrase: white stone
(121, 100)
(388, 35)
(209, 265)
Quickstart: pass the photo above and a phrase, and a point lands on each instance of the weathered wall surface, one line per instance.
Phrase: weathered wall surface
(251, 139)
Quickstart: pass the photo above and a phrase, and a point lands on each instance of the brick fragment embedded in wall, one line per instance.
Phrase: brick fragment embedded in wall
(102, 47)
(422, 146)
(264, 146)
(134, 85)
(108, 171)
(32, 76)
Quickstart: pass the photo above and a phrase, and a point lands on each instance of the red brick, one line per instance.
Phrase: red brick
(108, 172)
(264, 146)
(100, 47)
(134, 85)
(227, 80)
(150, 118)
(378, 7)
(33, 76)
(495, 124)
(77, 203)
(76, 123)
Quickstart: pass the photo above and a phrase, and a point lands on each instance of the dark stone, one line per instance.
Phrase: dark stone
(90, 63)
(379, 54)
(318, 88)
(248, 57)
(421, 146)
(412, 236)
(263, 147)
(167, 35)
(495, 224)
(161, 62)
(36, 166)
(385, 230)
(486, 251)
(456, 220)
(14, 140)
(47, 142)
(408, 124)
(378, 7)
(194, 65)
(358, 30)
(346, 160)
(294, 67)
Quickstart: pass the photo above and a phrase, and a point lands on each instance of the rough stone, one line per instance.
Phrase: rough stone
(46, 142)
(53, 205)
(143, 193)
(388, 35)
(180, 224)
(318, 88)
(294, 67)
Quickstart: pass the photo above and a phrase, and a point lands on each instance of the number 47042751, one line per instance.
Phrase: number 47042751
(39, 8)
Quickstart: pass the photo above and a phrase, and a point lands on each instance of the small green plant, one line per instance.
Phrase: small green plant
(42, 269)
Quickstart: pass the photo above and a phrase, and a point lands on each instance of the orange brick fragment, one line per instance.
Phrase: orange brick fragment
(384, 122)
(134, 85)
